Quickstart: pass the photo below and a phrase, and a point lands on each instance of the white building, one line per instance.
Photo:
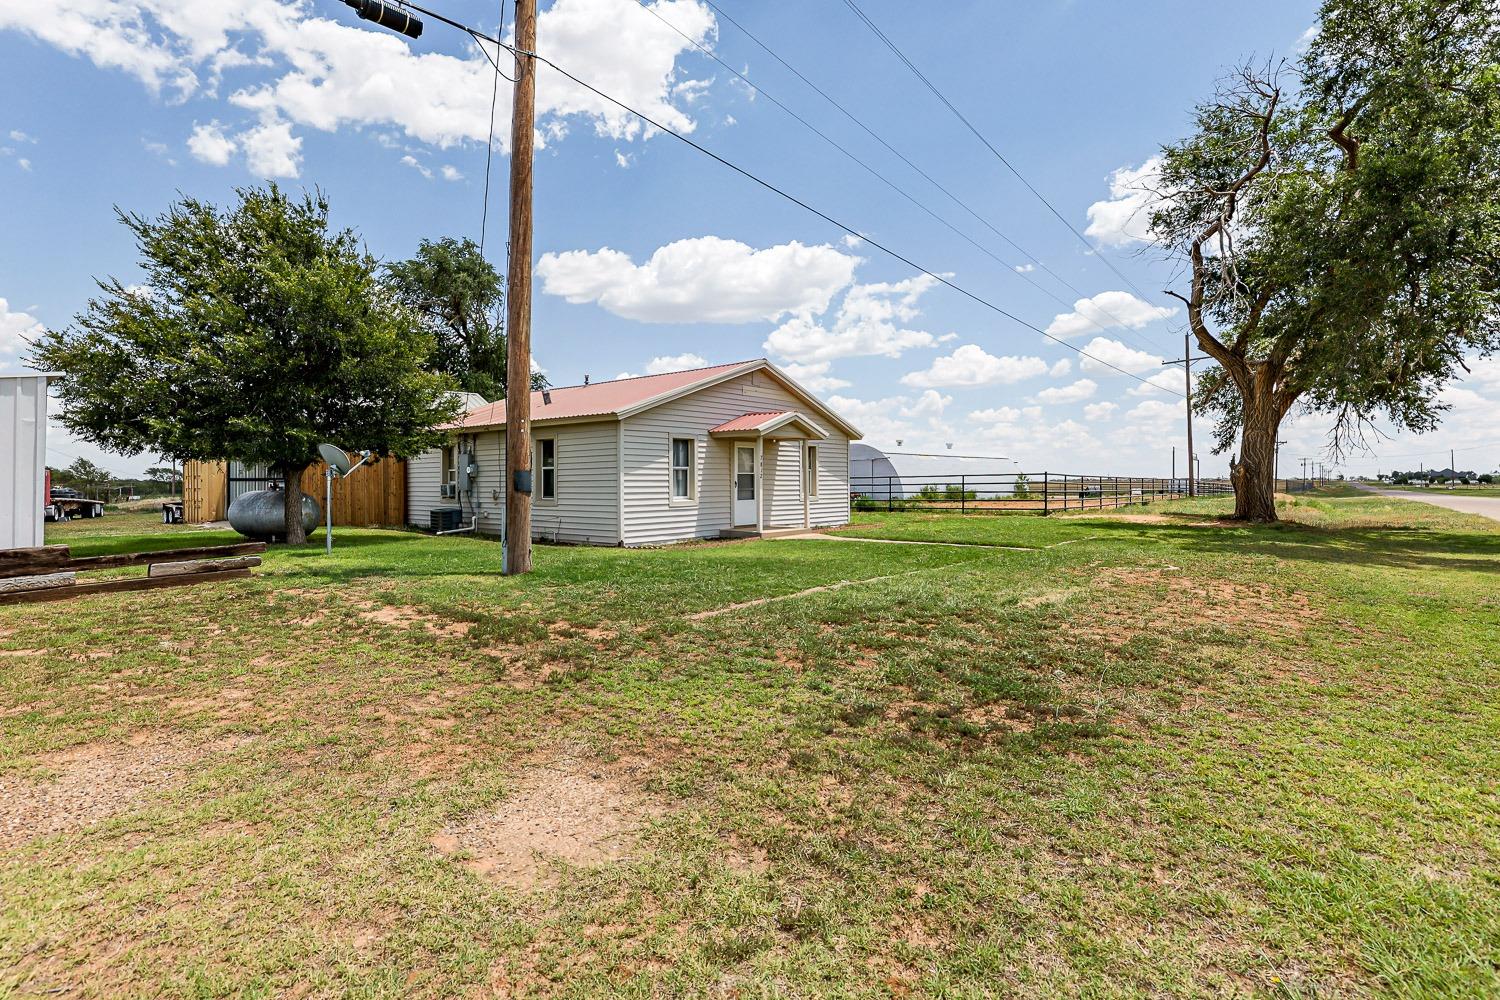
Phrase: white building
(732, 450)
(897, 475)
(23, 459)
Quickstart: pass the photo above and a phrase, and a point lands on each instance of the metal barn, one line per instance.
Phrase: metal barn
(23, 459)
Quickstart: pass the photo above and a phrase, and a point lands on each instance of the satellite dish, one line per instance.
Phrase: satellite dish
(335, 457)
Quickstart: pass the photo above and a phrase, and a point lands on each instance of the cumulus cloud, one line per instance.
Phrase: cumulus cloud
(1100, 411)
(815, 377)
(1164, 383)
(870, 322)
(411, 161)
(1083, 389)
(971, 365)
(915, 422)
(1061, 368)
(675, 363)
(703, 280)
(1105, 311)
(1103, 352)
(272, 151)
(315, 72)
(1125, 216)
(209, 144)
(451, 173)
(17, 329)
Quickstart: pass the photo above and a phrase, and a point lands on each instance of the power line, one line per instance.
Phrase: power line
(748, 175)
(989, 145)
(489, 149)
(1030, 258)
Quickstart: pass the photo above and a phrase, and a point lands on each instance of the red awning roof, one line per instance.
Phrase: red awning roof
(598, 399)
(748, 421)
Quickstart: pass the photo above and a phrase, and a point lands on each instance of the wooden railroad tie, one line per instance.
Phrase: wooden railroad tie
(50, 573)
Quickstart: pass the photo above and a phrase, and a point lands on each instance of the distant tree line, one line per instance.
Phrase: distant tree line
(1439, 476)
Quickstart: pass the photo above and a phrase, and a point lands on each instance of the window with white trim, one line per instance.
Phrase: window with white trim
(684, 453)
(546, 463)
(810, 470)
(448, 485)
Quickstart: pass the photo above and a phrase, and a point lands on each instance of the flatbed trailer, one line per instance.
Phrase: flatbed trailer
(63, 504)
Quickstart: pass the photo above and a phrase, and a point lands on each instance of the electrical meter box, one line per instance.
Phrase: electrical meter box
(468, 471)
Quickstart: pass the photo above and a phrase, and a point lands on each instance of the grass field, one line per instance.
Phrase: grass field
(1141, 755)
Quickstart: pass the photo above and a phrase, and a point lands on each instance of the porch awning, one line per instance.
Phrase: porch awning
(774, 423)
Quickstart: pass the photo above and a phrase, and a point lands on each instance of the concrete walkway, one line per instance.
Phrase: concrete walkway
(1483, 506)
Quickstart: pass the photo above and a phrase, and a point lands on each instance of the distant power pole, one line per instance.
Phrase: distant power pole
(518, 484)
(1187, 372)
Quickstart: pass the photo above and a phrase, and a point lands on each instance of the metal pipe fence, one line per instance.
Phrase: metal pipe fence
(1022, 492)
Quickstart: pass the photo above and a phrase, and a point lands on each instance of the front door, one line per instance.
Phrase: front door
(745, 491)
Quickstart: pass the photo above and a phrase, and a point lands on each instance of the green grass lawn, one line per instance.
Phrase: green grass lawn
(1171, 757)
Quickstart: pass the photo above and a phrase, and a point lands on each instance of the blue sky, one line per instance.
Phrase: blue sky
(651, 255)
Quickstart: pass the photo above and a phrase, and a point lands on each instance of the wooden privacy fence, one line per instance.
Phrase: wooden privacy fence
(375, 495)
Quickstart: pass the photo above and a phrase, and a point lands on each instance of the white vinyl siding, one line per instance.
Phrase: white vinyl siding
(23, 458)
(782, 497)
(650, 519)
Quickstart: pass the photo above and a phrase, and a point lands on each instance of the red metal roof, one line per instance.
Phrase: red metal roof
(748, 421)
(598, 399)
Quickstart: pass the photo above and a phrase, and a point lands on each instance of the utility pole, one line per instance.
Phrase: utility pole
(1186, 362)
(1276, 473)
(518, 301)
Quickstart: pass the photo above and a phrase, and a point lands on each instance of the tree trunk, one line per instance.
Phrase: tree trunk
(1254, 475)
(293, 532)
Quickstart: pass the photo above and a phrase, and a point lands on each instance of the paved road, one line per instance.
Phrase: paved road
(1483, 506)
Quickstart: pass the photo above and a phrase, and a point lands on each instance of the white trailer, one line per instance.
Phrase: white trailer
(23, 459)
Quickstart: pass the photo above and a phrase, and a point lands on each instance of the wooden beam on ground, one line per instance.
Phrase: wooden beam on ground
(55, 558)
(192, 566)
(14, 585)
(118, 586)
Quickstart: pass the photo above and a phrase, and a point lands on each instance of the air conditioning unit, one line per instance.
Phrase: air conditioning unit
(449, 491)
(446, 519)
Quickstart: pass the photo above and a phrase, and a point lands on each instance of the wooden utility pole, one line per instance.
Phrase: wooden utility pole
(1187, 372)
(518, 485)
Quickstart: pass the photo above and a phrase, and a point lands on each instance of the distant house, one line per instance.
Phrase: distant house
(732, 450)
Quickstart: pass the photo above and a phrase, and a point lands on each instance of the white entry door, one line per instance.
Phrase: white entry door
(746, 492)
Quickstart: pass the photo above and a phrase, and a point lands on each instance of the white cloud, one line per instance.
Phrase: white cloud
(1100, 411)
(815, 377)
(411, 161)
(971, 365)
(917, 423)
(309, 70)
(704, 280)
(1025, 268)
(852, 242)
(1164, 383)
(1083, 389)
(272, 151)
(675, 363)
(209, 144)
(17, 135)
(996, 415)
(1155, 413)
(869, 323)
(624, 160)
(1105, 311)
(24, 164)
(1103, 352)
(451, 173)
(17, 329)
(1061, 368)
(1125, 217)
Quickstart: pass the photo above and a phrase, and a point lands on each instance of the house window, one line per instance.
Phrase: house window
(810, 471)
(546, 449)
(449, 483)
(683, 451)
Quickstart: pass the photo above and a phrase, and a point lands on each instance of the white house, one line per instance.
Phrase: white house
(728, 451)
(23, 459)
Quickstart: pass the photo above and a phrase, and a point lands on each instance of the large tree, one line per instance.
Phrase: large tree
(460, 298)
(256, 333)
(1339, 222)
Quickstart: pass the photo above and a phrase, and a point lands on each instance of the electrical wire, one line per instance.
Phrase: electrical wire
(863, 17)
(786, 195)
(1010, 268)
(489, 149)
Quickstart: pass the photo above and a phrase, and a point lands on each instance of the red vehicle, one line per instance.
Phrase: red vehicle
(63, 503)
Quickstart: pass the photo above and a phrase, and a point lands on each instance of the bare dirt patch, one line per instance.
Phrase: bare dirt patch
(91, 783)
(407, 617)
(568, 811)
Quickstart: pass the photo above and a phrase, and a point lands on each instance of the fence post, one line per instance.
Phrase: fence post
(890, 503)
(1046, 495)
(963, 494)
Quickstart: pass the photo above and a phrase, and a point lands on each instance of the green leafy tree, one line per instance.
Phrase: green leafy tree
(257, 333)
(1340, 227)
(87, 477)
(460, 298)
